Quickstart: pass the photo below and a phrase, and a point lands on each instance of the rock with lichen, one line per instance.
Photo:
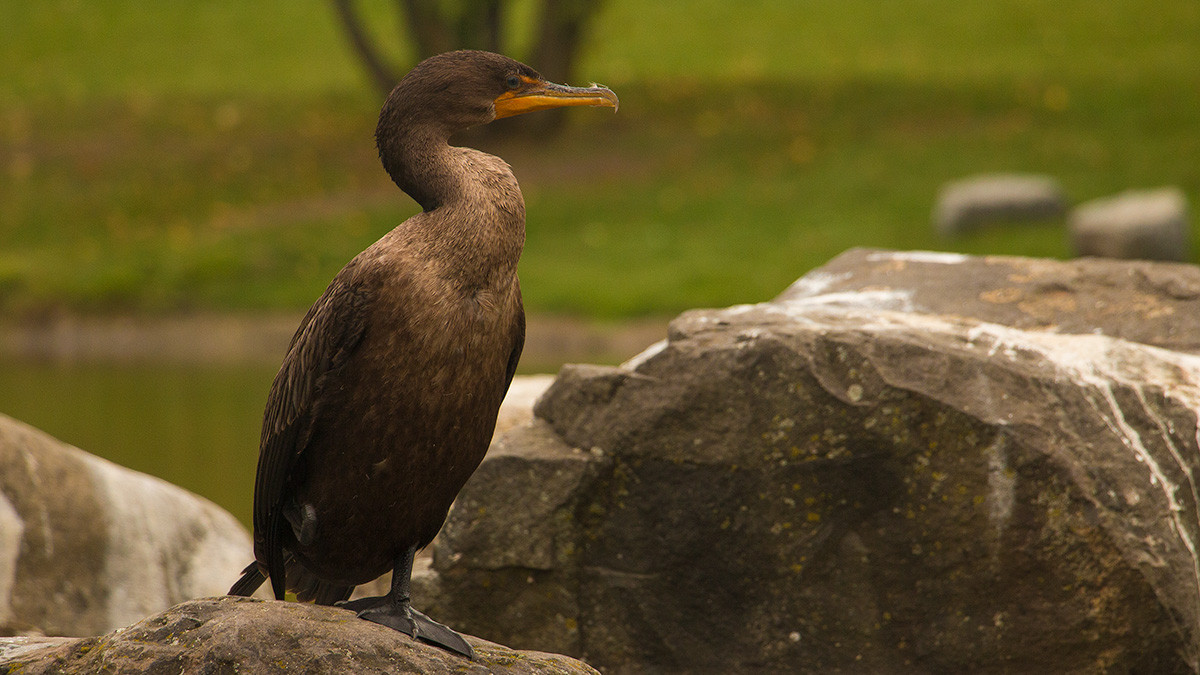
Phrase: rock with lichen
(908, 462)
(252, 637)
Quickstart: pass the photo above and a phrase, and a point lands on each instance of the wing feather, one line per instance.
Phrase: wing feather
(328, 334)
(518, 344)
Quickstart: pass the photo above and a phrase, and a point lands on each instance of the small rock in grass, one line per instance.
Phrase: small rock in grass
(1139, 225)
(976, 202)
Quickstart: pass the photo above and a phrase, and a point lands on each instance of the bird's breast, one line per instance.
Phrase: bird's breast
(442, 337)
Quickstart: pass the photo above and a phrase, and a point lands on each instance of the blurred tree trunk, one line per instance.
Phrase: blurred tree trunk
(382, 75)
(437, 26)
(560, 32)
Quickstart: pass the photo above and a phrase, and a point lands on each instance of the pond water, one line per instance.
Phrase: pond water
(195, 426)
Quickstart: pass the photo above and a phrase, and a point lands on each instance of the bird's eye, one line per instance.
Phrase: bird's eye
(512, 82)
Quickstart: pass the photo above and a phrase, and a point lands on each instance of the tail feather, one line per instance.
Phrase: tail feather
(307, 587)
(252, 578)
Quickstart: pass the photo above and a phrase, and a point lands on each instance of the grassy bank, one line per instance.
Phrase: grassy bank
(220, 158)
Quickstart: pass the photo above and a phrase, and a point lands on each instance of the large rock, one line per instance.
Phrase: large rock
(252, 637)
(87, 546)
(978, 201)
(515, 532)
(908, 463)
(1138, 224)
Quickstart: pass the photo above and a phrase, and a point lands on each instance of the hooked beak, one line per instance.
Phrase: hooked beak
(542, 95)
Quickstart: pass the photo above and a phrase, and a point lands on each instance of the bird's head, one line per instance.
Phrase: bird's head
(450, 92)
(457, 90)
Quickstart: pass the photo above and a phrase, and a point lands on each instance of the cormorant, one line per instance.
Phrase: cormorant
(386, 401)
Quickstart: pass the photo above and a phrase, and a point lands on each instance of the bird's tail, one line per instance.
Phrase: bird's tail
(308, 587)
(252, 578)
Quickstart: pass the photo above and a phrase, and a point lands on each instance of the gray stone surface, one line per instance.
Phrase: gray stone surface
(252, 637)
(516, 534)
(1136, 225)
(1156, 304)
(909, 463)
(87, 546)
(978, 201)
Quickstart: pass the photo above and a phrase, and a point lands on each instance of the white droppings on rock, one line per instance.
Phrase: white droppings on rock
(1133, 440)
(748, 335)
(12, 648)
(1001, 481)
(645, 355)
(814, 283)
(735, 310)
(881, 299)
(929, 257)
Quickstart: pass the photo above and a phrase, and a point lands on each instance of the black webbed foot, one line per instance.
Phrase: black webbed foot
(400, 615)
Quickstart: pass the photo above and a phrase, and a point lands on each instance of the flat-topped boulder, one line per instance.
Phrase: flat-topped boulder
(254, 637)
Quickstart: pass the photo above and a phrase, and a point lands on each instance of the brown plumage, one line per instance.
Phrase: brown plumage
(387, 398)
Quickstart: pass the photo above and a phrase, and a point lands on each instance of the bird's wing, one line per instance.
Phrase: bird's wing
(328, 334)
(518, 343)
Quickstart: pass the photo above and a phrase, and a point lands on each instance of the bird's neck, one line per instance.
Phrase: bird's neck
(475, 214)
(418, 162)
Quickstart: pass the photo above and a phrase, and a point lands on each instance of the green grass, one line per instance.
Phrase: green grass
(220, 156)
(1072, 41)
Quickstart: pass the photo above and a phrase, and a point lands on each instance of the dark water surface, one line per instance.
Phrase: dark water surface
(196, 426)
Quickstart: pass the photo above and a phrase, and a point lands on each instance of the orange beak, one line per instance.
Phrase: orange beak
(542, 95)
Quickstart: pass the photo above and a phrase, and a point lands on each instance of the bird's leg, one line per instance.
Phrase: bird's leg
(395, 611)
